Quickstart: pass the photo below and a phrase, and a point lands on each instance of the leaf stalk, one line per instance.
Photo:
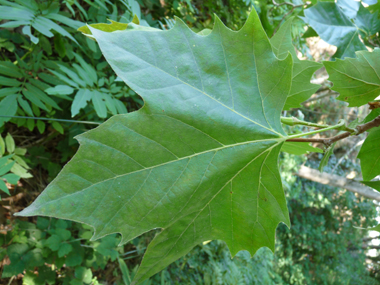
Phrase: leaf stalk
(329, 141)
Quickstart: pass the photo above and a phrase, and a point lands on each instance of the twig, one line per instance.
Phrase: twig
(329, 141)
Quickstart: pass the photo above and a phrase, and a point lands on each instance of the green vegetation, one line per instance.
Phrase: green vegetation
(204, 155)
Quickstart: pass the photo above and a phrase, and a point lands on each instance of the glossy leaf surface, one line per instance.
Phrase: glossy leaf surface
(199, 160)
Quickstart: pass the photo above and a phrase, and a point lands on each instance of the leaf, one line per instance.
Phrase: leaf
(53, 242)
(20, 171)
(369, 155)
(20, 161)
(6, 81)
(40, 25)
(376, 228)
(199, 160)
(108, 246)
(16, 13)
(350, 8)
(4, 169)
(90, 71)
(371, 116)
(99, 103)
(325, 159)
(11, 178)
(41, 126)
(356, 79)
(65, 20)
(373, 184)
(367, 22)
(60, 90)
(335, 28)
(44, 22)
(83, 274)
(72, 75)
(112, 27)
(64, 78)
(83, 74)
(20, 151)
(25, 106)
(4, 187)
(299, 148)
(58, 127)
(303, 70)
(10, 143)
(2, 148)
(8, 107)
(27, 31)
(80, 101)
(9, 69)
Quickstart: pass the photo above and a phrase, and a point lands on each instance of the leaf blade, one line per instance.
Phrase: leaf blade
(211, 118)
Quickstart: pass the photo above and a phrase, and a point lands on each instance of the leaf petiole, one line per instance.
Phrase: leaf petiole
(292, 121)
(340, 124)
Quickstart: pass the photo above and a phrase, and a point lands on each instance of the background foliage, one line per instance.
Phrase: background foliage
(49, 70)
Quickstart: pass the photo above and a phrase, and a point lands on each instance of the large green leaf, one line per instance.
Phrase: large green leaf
(301, 89)
(369, 155)
(357, 80)
(335, 28)
(199, 160)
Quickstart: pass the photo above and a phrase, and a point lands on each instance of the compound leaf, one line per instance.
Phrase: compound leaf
(199, 160)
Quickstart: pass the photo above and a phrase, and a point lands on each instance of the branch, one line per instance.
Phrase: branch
(329, 141)
(338, 181)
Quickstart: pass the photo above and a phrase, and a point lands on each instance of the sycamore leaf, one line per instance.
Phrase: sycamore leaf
(369, 155)
(356, 79)
(335, 28)
(301, 89)
(367, 22)
(199, 160)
